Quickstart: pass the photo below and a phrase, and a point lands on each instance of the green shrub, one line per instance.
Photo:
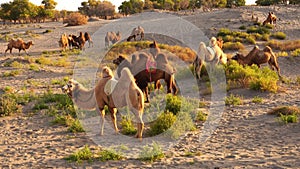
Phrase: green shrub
(228, 38)
(224, 32)
(295, 53)
(266, 80)
(127, 126)
(243, 27)
(75, 126)
(152, 153)
(200, 116)
(233, 100)
(84, 154)
(233, 46)
(279, 35)
(269, 26)
(162, 123)
(11, 73)
(250, 40)
(173, 103)
(182, 124)
(257, 99)
(260, 30)
(282, 54)
(9, 105)
(293, 118)
(110, 154)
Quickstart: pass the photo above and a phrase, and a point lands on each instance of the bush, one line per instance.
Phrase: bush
(295, 53)
(285, 110)
(151, 153)
(224, 32)
(250, 40)
(200, 116)
(263, 79)
(257, 99)
(173, 104)
(260, 30)
(81, 155)
(243, 27)
(293, 118)
(279, 35)
(75, 19)
(233, 100)
(233, 46)
(9, 105)
(182, 124)
(127, 126)
(162, 123)
(110, 154)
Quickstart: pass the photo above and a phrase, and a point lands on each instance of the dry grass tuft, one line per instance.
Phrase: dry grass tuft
(285, 110)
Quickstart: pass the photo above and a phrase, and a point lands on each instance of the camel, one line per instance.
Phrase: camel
(136, 32)
(64, 41)
(211, 54)
(112, 37)
(81, 41)
(271, 19)
(18, 44)
(144, 73)
(258, 57)
(88, 38)
(114, 94)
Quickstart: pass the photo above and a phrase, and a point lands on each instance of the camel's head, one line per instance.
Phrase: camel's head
(236, 56)
(107, 72)
(70, 87)
(119, 60)
(154, 49)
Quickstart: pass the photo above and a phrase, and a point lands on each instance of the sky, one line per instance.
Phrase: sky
(72, 5)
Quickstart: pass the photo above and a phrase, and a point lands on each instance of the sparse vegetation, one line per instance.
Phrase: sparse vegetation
(110, 154)
(279, 35)
(233, 100)
(9, 105)
(151, 153)
(162, 123)
(84, 154)
(290, 118)
(295, 53)
(285, 110)
(257, 99)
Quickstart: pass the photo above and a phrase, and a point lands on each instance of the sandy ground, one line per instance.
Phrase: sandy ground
(246, 136)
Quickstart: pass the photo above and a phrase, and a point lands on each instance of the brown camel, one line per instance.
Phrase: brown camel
(271, 19)
(114, 94)
(258, 57)
(18, 44)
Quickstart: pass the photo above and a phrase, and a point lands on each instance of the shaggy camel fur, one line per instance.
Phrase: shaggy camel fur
(258, 57)
(212, 54)
(81, 41)
(136, 32)
(144, 75)
(18, 44)
(63, 41)
(88, 38)
(112, 37)
(271, 19)
(114, 94)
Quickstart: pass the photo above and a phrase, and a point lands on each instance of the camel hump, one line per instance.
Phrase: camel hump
(211, 51)
(110, 86)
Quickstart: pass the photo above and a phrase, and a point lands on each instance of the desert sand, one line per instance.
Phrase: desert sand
(246, 137)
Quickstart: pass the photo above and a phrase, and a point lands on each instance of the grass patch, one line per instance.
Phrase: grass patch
(127, 126)
(284, 46)
(295, 53)
(9, 105)
(151, 153)
(279, 35)
(290, 118)
(257, 99)
(233, 46)
(285, 110)
(11, 73)
(162, 123)
(233, 100)
(201, 116)
(84, 154)
(110, 154)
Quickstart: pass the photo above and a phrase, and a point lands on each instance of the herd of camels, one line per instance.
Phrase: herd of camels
(130, 88)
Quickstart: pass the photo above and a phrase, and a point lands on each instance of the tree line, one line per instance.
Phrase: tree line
(25, 11)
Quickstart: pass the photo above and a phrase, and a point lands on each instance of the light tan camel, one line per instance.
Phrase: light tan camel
(114, 94)
(63, 41)
(211, 54)
(112, 37)
(136, 32)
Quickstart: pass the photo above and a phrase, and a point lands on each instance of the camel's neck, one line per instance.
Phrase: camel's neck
(85, 99)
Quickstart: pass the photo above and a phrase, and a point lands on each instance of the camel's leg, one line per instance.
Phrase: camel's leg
(174, 86)
(102, 114)
(168, 80)
(113, 112)
(146, 94)
(6, 51)
(140, 124)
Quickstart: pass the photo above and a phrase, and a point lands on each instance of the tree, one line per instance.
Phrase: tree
(49, 4)
(105, 9)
